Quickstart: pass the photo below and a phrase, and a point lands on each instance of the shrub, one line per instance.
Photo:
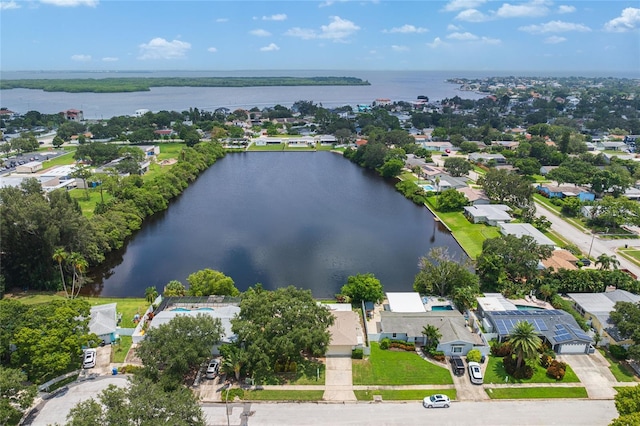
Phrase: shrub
(545, 361)
(401, 344)
(501, 349)
(129, 369)
(437, 355)
(384, 343)
(474, 355)
(556, 370)
(524, 372)
(618, 352)
(357, 354)
(231, 394)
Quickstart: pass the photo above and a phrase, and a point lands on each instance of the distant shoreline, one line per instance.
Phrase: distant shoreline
(144, 84)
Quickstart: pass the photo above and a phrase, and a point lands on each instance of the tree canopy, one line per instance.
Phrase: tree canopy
(626, 317)
(280, 326)
(16, 395)
(363, 288)
(207, 282)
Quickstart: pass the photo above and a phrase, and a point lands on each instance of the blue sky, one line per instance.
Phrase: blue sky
(474, 35)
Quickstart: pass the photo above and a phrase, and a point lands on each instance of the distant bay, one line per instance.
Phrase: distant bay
(393, 85)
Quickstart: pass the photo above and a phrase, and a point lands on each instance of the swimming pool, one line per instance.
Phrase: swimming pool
(428, 188)
(442, 308)
(528, 308)
(189, 310)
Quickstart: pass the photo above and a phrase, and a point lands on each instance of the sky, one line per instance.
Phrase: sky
(457, 35)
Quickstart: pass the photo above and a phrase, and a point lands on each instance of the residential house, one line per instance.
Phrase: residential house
(491, 214)
(346, 332)
(546, 169)
(405, 302)
(475, 196)
(521, 229)
(437, 146)
(552, 191)
(561, 259)
(73, 115)
(597, 307)
(448, 182)
(481, 157)
(104, 322)
(611, 145)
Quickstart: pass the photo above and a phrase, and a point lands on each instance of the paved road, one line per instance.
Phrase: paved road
(495, 413)
(584, 240)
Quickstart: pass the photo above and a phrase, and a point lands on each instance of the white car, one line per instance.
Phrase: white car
(89, 358)
(212, 369)
(436, 401)
(475, 373)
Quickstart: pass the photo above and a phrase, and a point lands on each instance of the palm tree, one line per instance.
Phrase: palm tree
(150, 293)
(234, 360)
(79, 266)
(607, 262)
(524, 341)
(432, 335)
(60, 256)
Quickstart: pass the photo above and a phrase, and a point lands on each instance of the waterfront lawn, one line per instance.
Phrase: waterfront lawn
(403, 394)
(495, 373)
(88, 206)
(538, 392)
(269, 147)
(621, 371)
(388, 367)
(170, 150)
(120, 350)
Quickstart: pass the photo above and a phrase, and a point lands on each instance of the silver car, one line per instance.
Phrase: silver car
(436, 401)
(475, 373)
(212, 369)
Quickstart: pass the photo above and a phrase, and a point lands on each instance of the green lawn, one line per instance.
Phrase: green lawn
(408, 176)
(88, 206)
(620, 371)
(169, 150)
(534, 393)
(33, 298)
(495, 373)
(402, 395)
(306, 374)
(119, 351)
(386, 367)
(469, 235)
(632, 255)
(127, 306)
(61, 160)
(270, 147)
(283, 395)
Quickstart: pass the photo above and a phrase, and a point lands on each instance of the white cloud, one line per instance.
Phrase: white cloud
(462, 36)
(437, 42)
(489, 40)
(398, 48)
(628, 20)
(110, 59)
(81, 58)
(222, 20)
(7, 5)
(526, 10)
(260, 33)
(452, 27)
(212, 49)
(407, 29)
(555, 27)
(71, 3)
(276, 17)
(454, 5)
(337, 30)
(472, 15)
(159, 48)
(270, 48)
(563, 8)
(554, 39)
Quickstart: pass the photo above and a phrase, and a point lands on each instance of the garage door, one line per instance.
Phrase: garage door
(573, 348)
(339, 351)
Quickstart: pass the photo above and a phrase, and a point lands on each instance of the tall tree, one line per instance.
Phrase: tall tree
(60, 256)
(280, 326)
(441, 275)
(432, 335)
(524, 342)
(457, 166)
(607, 262)
(172, 350)
(207, 281)
(363, 287)
(16, 395)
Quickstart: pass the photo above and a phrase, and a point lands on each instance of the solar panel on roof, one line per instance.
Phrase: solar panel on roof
(579, 332)
(542, 326)
(562, 337)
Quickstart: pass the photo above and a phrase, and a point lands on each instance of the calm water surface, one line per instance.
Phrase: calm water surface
(304, 219)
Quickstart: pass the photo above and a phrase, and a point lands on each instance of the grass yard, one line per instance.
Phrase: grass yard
(128, 307)
(32, 298)
(306, 374)
(632, 255)
(88, 206)
(61, 160)
(119, 351)
(283, 395)
(535, 393)
(620, 371)
(386, 367)
(270, 147)
(408, 176)
(402, 395)
(169, 150)
(495, 373)
(469, 235)
(555, 238)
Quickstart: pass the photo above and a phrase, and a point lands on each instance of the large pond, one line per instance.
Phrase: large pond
(307, 219)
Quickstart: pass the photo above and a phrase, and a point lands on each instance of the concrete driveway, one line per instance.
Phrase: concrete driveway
(338, 379)
(467, 391)
(593, 371)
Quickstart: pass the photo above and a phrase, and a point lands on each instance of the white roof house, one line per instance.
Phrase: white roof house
(521, 229)
(103, 322)
(405, 302)
(224, 313)
(491, 214)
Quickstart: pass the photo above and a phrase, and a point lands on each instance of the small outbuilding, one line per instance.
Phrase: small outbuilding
(30, 167)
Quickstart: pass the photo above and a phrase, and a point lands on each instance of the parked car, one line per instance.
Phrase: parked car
(475, 373)
(89, 358)
(212, 369)
(457, 365)
(436, 401)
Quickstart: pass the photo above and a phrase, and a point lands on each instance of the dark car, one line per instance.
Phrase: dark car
(457, 366)
(585, 261)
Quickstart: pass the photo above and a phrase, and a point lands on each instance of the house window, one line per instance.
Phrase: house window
(456, 349)
(393, 335)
